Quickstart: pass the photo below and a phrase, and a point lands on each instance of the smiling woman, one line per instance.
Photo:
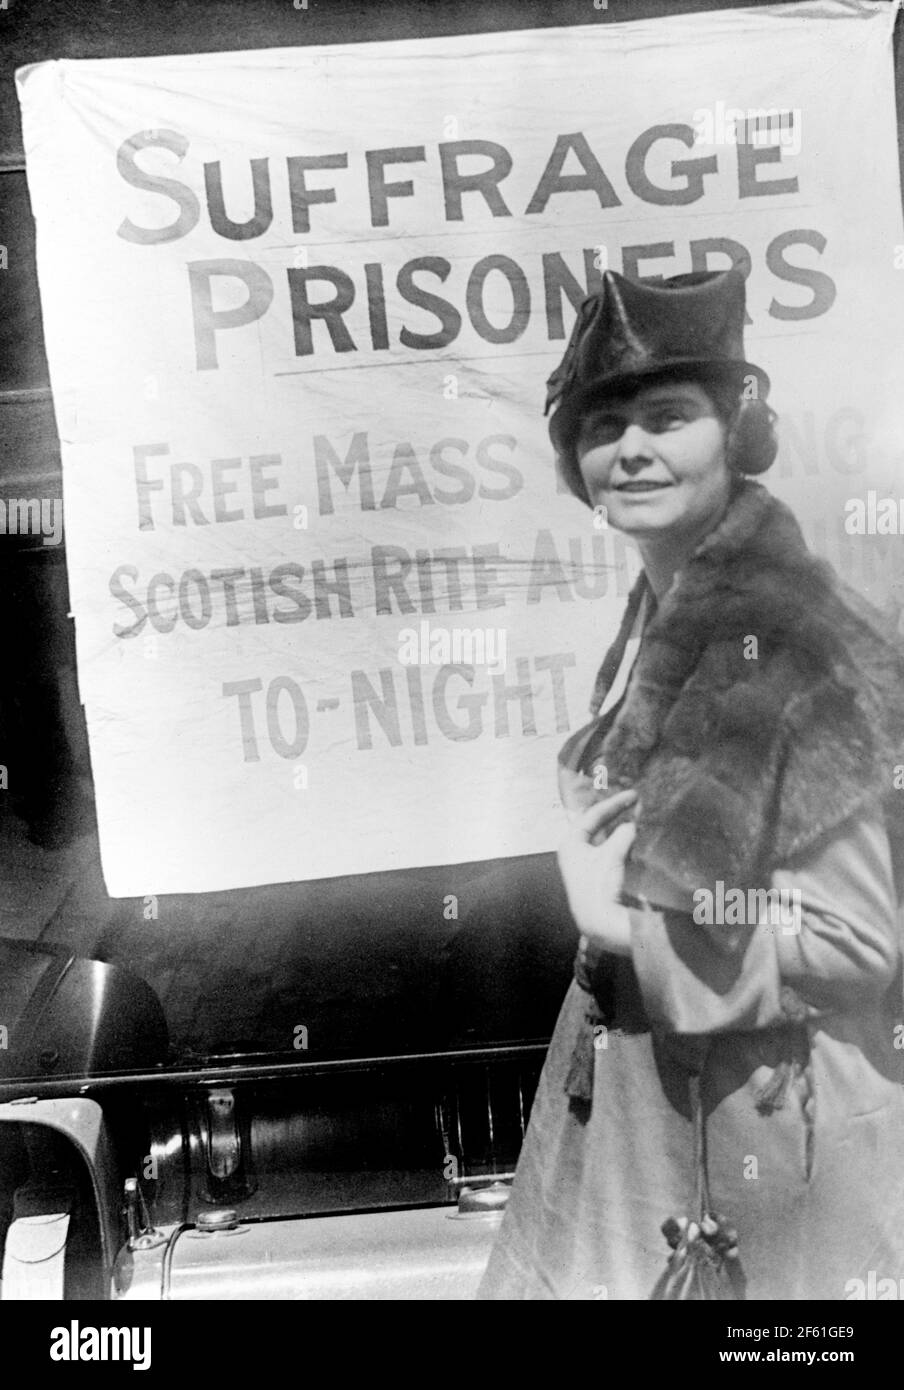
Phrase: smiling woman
(721, 1079)
(657, 458)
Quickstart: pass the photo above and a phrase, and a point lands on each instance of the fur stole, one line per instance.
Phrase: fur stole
(765, 708)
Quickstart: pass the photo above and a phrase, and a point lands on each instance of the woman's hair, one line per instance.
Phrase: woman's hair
(751, 444)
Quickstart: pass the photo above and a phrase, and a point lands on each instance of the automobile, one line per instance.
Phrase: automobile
(125, 1176)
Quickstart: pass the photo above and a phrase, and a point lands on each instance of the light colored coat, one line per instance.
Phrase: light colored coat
(776, 771)
(815, 1188)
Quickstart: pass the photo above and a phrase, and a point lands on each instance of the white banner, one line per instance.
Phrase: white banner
(333, 614)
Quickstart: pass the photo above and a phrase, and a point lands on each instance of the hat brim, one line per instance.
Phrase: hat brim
(620, 383)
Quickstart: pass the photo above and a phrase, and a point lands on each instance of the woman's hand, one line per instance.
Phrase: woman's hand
(594, 874)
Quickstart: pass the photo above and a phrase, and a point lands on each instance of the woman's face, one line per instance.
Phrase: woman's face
(655, 459)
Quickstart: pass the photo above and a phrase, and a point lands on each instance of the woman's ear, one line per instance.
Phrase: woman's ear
(752, 443)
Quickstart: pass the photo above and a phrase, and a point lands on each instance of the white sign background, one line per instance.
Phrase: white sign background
(259, 726)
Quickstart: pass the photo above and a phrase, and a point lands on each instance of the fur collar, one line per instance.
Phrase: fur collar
(743, 762)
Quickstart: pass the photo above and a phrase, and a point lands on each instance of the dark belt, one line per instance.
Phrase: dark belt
(613, 1002)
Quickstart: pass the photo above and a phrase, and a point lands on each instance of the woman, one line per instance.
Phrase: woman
(736, 1014)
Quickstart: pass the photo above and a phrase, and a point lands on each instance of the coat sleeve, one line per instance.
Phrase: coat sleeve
(840, 949)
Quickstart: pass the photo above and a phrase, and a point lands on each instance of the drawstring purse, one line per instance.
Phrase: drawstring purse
(704, 1262)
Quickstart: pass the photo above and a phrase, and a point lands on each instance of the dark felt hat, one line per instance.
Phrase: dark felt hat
(627, 331)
